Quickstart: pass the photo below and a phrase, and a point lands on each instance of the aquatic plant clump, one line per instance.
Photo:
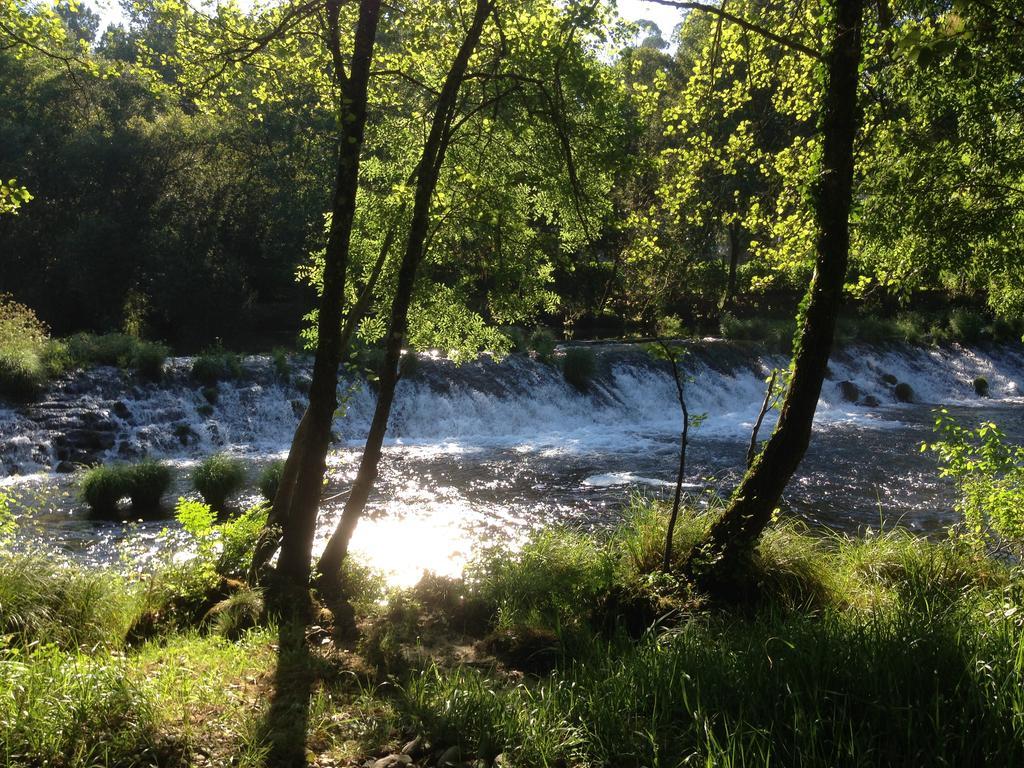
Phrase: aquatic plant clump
(217, 478)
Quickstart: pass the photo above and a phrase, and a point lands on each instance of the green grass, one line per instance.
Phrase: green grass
(270, 479)
(578, 367)
(217, 478)
(144, 484)
(47, 600)
(884, 649)
(216, 364)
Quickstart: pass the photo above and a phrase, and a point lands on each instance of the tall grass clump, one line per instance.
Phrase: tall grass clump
(217, 478)
(145, 483)
(578, 367)
(121, 350)
(47, 600)
(542, 344)
(967, 325)
(216, 364)
(103, 487)
(270, 479)
(149, 481)
(23, 345)
(776, 333)
(72, 710)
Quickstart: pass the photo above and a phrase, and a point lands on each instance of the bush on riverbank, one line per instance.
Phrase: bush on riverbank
(25, 351)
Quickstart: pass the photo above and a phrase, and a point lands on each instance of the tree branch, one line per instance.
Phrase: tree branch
(747, 25)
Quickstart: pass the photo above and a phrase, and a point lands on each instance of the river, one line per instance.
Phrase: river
(486, 452)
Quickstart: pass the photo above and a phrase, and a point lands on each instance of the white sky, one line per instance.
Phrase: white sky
(664, 16)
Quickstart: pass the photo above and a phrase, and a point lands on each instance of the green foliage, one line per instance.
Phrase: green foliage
(217, 478)
(148, 481)
(102, 487)
(148, 359)
(776, 333)
(578, 367)
(12, 197)
(216, 364)
(270, 479)
(967, 325)
(279, 359)
(46, 600)
(989, 472)
(74, 710)
(542, 344)
(23, 345)
(237, 613)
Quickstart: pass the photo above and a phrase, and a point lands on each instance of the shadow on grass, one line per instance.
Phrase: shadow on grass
(287, 719)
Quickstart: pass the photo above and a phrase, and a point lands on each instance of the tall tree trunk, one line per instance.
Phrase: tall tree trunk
(733, 536)
(429, 169)
(298, 497)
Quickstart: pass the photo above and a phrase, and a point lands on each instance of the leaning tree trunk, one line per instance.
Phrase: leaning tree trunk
(429, 169)
(298, 498)
(733, 536)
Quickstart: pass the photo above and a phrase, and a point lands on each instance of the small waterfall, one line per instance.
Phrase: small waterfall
(104, 414)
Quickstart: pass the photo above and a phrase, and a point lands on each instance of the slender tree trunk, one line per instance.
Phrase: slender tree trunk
(298, 497)
(681, 472)
(734, 258)
(733, 536)
(430, 164)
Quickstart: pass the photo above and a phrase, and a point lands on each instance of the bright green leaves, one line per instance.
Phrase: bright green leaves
(12, 196)
(989, 472)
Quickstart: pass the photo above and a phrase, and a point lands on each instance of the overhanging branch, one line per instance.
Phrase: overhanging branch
(739, 21)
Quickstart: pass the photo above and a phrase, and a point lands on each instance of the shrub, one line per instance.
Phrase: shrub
(911, 327)
(578, 367)
(542, 343)
(103, 487)
(989, 471)
(270, 479)
(148, 359)
(216, 364)
(148, 481)
(775, 333)
(279, 359)
(218, 477)
(966, 325)
(23, 344)
(520, 343)
(117, 349)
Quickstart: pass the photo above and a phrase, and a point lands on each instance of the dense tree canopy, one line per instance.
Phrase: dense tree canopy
(177, 165)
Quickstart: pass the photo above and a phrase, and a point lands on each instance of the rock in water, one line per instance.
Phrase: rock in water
(849, 391)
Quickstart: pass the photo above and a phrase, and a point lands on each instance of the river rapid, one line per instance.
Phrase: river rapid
(487, 452)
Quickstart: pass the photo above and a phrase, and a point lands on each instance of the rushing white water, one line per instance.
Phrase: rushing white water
(490, 448)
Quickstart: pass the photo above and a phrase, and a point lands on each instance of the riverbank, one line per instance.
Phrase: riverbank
(574, 651)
